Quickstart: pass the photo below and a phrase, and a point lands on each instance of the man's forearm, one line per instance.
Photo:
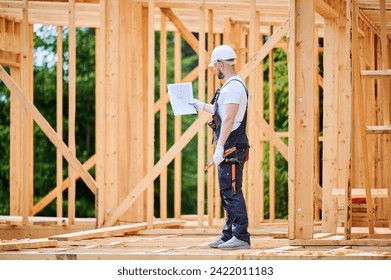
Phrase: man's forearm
(208, 108)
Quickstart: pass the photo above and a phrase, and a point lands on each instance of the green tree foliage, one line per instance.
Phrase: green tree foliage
(45, 100)
(280, 71)
(4, 148)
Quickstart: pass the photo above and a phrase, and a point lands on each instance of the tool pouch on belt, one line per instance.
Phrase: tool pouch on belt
(238, 158)
(241, 155)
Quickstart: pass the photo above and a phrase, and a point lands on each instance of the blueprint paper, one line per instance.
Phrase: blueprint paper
(180, 96)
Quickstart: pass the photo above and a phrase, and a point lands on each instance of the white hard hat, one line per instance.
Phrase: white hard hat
(223, 52)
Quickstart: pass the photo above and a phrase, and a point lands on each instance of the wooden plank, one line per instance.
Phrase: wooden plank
(325, 10)
(59, 126)
(316, 133)
(72, 111)
(330, 124)
(385, 92)
(27, 244)
(375, 193)
(47, 129)
(291, 126)
(54, 13)
(376, 74)
(125, 150)
(112, 95)
(217, 199)
(340, 242)
(137, 168)
(201, 133)
(100, 233)
(23, 116)
(272, 156)
(211, 171)
(9, 59)
(378, 129)
(29, 121)
(177, 130)
(163, 115)
(358, 101)
(113, 231)
(301, 126)
(150, 114)
(100, 107)
(384, 85)
(15, 148)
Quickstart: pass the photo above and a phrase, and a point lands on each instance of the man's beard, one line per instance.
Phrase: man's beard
(220, 74)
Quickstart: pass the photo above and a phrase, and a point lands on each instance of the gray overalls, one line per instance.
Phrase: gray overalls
(230, 175)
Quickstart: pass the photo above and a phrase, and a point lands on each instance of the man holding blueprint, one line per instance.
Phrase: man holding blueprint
(229, 110)
(180, 96)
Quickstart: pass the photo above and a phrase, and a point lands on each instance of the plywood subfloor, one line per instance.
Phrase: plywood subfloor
(171, 246)
(180, 240)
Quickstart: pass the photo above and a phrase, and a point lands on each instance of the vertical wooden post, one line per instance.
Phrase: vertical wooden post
(385, 93)
(150, 104)
(23, 116)
(201, 133)
(301, 118)
(72, 111)
(358, 103)
(316, 123)
(217, 200)
(111, 106)
(330, 117)
(210, 174)
(272, 161)
(15, 148)
(177, 130)
(254, 165)
(348, 117)
(100, 112)
(259, 144)
(29, 119)
(163, 114)
(59, 126)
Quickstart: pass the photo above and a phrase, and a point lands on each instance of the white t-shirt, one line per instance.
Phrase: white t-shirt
(232, 92)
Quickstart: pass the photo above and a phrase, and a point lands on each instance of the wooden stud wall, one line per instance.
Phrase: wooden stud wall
(126, 107)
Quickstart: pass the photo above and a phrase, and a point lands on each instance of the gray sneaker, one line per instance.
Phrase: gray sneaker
(216, 243)
(234, 244)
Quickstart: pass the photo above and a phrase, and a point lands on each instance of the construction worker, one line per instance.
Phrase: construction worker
(229, 110)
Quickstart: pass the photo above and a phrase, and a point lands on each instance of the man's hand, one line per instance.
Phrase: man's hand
(198, 105)
(218, 155)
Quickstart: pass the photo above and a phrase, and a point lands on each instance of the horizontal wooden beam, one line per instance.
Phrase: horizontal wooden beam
(27, 244)
(9, 59)
(325, 10)
(356, 193)
(113, 231)
(376, 74)
(262, 6)
(382, 129)
(54, 13)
